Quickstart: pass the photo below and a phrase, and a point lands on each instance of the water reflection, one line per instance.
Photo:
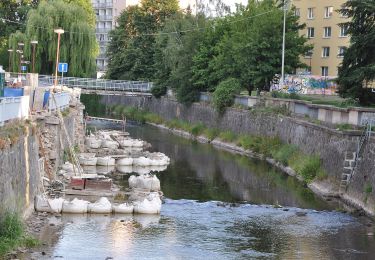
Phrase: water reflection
(200, 221)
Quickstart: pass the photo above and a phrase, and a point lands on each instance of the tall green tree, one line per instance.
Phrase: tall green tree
(78, 45)
(133, 46)
(358, 65)
(13, 14)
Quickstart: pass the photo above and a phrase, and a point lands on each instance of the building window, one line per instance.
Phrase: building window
(324, 71)
(327, 32)
(343, 30)
(310, 32)
(344, 12)
(341, 52)
(297, 12)
(310, 13)
(328, 11)
(325, 52)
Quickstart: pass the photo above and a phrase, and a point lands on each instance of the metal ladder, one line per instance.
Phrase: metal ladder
(352, 159)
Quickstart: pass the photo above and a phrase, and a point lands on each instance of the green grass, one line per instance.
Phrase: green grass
(197, 129)
(344, 127)
(307, 166)
(227, 136)
(12, 234)
(285, 152)
(211, 133)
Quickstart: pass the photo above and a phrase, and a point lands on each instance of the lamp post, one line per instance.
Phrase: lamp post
(10, 60)
(20, 52)
(59, 31)
(33, 43)
(285, 6)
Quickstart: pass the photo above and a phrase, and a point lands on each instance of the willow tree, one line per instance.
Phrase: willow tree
(78, 45)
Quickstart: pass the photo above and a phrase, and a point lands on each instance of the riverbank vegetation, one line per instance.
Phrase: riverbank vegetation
(307, 166)
(11, 133)
(12, 234)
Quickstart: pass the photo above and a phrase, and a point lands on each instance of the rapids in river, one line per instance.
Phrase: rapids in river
(218, 206)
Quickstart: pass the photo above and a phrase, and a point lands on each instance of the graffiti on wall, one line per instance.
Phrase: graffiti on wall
(305, 84)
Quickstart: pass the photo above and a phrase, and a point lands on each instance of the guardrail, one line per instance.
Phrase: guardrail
(14, 108)
(98, 84)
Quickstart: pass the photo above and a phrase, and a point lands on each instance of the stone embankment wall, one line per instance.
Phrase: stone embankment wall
(20, 164)
(330, 144)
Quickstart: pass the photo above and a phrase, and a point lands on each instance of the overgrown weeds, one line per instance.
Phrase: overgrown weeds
(12, 234)
(11, 133)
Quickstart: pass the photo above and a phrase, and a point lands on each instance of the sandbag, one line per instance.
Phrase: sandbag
(110, 144)
(101, 206)
(67, 166)
(124, 208)
(150, 205)
(75, 206)
(56, 205)
(106, 161)
(142, 161)
(125, 162)
(42, 204)
(93, 142)
(146, 182)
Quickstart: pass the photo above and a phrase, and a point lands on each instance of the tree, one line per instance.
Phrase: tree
(13, 15)
(250, 49)
(358, 65)
(132, 47)
(78, 45)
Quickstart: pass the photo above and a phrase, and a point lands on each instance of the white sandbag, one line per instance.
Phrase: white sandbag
(75, 206)
(88, 161)
(105, 169)
(106, 161)
(89, 169)
(101, 206)
(110, 144)
(93, 142)
(145, 182)
(41, 204)
(150, 205)
(137, 143)
(67, 166)
(56, 205)
(125, 161)
(142, 161)
(124, 208)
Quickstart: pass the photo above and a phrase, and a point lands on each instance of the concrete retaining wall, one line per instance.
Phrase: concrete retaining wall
(330, 144)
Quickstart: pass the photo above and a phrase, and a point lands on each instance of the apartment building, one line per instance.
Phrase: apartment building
(107, 12)
(325, 32)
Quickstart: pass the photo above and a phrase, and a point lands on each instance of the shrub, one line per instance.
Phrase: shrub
(283, 154)
(223, 95)
(197, 129)
(245, 141)
(211, 133)
(306, 166)
(158, 91)
(227, 136)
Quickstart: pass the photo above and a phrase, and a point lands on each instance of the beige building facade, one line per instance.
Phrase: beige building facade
(325, 32)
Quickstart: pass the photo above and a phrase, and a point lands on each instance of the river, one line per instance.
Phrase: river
(219, 206)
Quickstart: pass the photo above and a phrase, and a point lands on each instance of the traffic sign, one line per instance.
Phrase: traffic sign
(23, 68)
(63, 67)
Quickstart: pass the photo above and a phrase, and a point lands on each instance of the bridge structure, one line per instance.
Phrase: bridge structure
(100, 86)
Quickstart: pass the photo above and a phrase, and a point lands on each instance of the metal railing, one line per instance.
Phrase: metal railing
(102, 30)
(98, 84)
(104, 18)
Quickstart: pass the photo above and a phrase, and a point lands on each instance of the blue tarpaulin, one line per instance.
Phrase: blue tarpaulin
(45, 100)
(13, 92)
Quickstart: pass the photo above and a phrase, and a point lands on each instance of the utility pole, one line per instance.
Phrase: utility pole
(285, 6)
(59, 31)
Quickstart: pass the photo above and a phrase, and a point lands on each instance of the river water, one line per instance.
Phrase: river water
(219, 206)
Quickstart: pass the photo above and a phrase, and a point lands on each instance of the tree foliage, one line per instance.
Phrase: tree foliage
(78, 45)
(358, 65)
(132, 45)
(192, 53)
(223, 95)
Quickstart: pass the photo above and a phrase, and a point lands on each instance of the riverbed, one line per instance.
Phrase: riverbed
(218, 206)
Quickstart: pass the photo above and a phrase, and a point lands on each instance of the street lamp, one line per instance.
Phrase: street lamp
(20, 52)
(33, 43)
(10, 59)
(59, 31)
(285, 6)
